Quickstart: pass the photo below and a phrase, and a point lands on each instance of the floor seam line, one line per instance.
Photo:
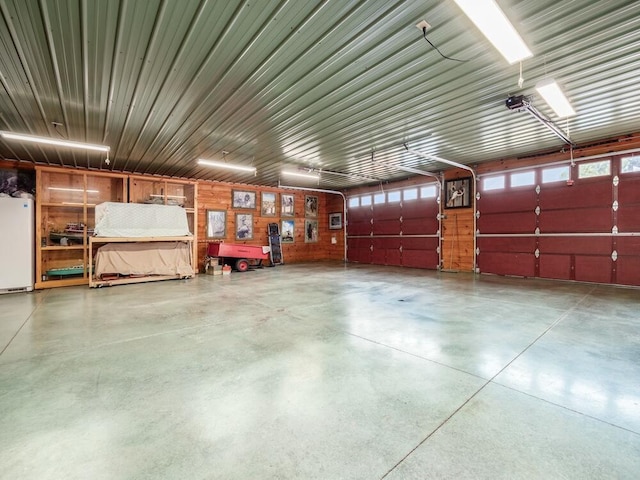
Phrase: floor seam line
(566, 408)
(38, 304)
(491, 380)
(415, 355)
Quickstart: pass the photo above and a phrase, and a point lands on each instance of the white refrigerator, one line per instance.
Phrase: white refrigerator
(16, 244)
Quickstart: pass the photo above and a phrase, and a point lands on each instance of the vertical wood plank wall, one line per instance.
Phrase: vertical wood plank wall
(457, 230)
(218, 196)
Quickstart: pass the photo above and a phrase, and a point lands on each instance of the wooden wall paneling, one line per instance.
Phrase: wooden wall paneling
(218, 196)
(457, 239)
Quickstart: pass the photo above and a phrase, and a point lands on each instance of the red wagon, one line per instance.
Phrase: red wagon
(241, 257)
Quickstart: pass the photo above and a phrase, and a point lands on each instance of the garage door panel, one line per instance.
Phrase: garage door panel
(423, 226)
(577, 245)
(358, 250)
(628, 246)
(420, 259)
(420, 243)
(387, 212)
(359, 228)
(386, 227)
(629, 218)
(501, 263)
(582, 194)
(628, 270)
(555, 266)
(506, 244)
(593, 268)
(360, 255)
(629, 190)
(521, 222)
(420, 209)
(394, 257)
(360, 215)
(584, 220)
(511, 201)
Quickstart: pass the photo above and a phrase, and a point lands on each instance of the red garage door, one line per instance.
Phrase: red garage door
(562, 222)
(399, 227)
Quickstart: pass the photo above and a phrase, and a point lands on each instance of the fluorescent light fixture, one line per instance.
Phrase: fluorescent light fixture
(51, 141)
(311, 176)
(493, 23)
(552, 94)
(230, 166)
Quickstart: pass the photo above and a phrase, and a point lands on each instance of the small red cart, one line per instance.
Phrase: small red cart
(240, 257)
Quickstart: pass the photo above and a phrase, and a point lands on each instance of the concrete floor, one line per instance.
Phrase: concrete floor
(322, 371)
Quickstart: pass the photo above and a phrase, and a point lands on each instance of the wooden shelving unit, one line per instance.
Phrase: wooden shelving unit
(169, 191)
(65, 217)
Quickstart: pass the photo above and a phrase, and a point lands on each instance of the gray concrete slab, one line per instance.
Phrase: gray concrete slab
(321, 371)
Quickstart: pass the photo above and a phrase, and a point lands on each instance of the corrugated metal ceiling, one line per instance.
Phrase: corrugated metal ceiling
(313, 84)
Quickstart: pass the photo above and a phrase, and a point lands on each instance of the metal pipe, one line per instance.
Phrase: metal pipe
(344, 209)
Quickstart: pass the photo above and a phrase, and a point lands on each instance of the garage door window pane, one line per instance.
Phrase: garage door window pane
(555, 174)
(354, 202)
(410, 194)
(365, 200)
(493, 183)
(394, 197)
(630, 164)
(594, 169)
(378, 198)
(523, 179)
(428, 192)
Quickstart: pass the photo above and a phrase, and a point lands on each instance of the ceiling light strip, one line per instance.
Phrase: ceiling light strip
(494, 24)
(555, 98)
(51, 141)
(310, 176)
(229, 166)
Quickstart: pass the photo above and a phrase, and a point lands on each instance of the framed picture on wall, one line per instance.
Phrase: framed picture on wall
(310, 230)
(287, 234)
(268, 206)
(286, 205)
(310, 206)
(335, 221)
(244, 226)
(458, 193)
(216, 223)
(243, 199)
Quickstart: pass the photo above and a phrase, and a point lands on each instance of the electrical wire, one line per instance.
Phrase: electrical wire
(424, 34)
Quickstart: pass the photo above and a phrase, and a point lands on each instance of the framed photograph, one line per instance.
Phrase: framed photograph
(335, 221)
(243, 199)
(310, 206)
(244, 226)
(286, 205)
(268, 205)
(458, 193)
(216, 223)
(287, 234)
(310, 230)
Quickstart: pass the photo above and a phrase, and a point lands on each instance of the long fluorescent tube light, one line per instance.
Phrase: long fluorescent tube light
(552, 94)
(50, 141)
(493, 23)
(311, 176)
(230, 166)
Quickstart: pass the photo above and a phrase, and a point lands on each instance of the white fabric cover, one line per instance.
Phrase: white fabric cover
(144, 258)
(140, 220)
